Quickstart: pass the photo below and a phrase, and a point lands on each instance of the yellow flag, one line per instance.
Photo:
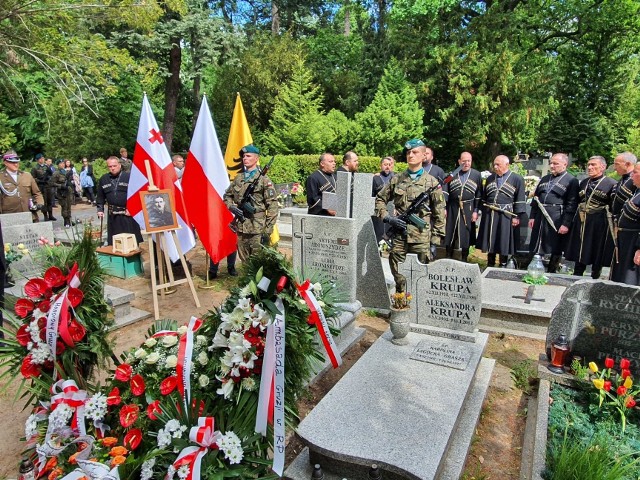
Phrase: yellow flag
(239, 136)
(275, 236)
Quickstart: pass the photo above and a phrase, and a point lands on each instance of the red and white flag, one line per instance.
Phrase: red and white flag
(150, 146)
(204, 182)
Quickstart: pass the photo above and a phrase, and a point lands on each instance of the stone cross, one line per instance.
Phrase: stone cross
(340, 201)
(302, 235)
(528, 297)
(578, 300)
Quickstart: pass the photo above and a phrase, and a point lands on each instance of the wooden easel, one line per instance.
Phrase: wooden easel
(156, 255)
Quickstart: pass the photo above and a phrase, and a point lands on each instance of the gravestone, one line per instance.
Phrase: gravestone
(600, 319)
(27, 234)
(447, 297)
(340, 201)
(10, 219)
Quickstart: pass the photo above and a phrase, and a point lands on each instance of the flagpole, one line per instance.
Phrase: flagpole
(207, 285)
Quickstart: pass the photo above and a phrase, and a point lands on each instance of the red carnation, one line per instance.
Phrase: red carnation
(75, 296)
(28, 368)
(132, 439)
(24, 307)
(152, 409)
(77, 330)
(114, 397)
(168, 385)
(625, 363)
(23, 336)
(123, 372)
(608, 362)
(137, 385)
(54, 277)
(129, 415)
(36, 288)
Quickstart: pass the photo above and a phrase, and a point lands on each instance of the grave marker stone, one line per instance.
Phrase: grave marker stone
(27, 234)
(10, 219)
(340, 201)
(447, 353)
(600, 319)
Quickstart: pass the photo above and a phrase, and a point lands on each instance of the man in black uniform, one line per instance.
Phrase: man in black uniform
(586, 238)
(379, 181)
(112, 189)
(552, 210)
(322, 180)
(463, 196)
(430, 167)
(42, 175)
(502, 204)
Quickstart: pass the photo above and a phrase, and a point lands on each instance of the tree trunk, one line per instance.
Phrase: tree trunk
(347, 19)
(275, 19)
(196, 100)
(171, 92)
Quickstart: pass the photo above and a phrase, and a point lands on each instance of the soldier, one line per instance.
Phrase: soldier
(623, 164)
(627, 269)
(42, 175)
(112, 189)
(587, 233)
(62, 181)
(125, 161)
(19, 191)
(322, 180)
(379, 181)
(502, 204)
(258, 215)
(554, 205)
(463, 196)
(402, 189)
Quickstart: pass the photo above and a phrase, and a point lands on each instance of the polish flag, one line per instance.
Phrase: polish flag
(150, 146)
(204, 181)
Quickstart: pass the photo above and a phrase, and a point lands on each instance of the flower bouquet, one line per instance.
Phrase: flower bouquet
(60, 325)
(401, 300)
(13, 253)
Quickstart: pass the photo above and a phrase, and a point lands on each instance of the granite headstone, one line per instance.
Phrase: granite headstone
(10, 219)
(600, 319)
(27, 234)
(340, 201)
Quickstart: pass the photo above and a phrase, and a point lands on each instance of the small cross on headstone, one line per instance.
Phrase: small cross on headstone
(302, 235)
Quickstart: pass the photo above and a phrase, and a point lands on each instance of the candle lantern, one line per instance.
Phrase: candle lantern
(559, 354)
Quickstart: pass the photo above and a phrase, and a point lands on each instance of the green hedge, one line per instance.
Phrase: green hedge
(296, 168)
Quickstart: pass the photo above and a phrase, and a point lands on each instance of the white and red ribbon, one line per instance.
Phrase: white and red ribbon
(318, 319)
(271, 396)
(58, 318)
(185, 360)
(205, 437)
(67, 392)
(93, 471)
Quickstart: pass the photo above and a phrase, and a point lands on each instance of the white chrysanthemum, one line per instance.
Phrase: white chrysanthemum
(235, 456)
(230, 440)
(236, 320)
(146, 471)
(169, 340)
(150, 342)
(171, 471)
(201, 340)
(31, 426)
(317, 287)
(182, 330)
(203, 359)
(164, 439)
(183, 472)
(172, 425)
(203, 380)
(41, 353)
(171, 361)
(60, 417)
(245, 291)
(140, 354)
(152, 358)
(96, 407)
(249, 384)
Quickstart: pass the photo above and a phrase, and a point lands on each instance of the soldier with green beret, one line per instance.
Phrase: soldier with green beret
(260, 215)
(402, 189)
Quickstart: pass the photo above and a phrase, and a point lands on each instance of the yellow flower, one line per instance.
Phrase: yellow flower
(7, 247)
(20, 246)
(593, 367)
(628, 383)
(598, 382)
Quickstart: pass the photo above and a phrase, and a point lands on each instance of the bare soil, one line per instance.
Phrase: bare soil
(495, 452)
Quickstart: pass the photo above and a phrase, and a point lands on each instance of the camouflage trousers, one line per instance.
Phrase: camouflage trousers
(248, 244)
(398, 255)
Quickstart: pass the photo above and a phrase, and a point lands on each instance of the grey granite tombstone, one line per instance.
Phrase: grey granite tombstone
(340, 202)
(600, 319)
(27, 234)
(325, 245)
(10, 219)
(447, 297)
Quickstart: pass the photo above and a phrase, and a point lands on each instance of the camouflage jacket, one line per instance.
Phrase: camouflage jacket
(264, 202)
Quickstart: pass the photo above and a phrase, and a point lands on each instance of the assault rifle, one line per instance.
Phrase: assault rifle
(246, 208)
(410, 215)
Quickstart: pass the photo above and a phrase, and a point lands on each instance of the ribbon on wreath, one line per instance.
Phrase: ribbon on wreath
(271, 395)
(58, 317)
(50, 448)
(67, 392)
(205, 437)
(185, 360)
(93, 471)
(318, 319)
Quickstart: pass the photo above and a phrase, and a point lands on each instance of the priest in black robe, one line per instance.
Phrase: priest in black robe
(322, 180)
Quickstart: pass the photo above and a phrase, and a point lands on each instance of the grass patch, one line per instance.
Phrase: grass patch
(524, 375)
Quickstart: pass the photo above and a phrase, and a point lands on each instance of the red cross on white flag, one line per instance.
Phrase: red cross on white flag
(150, 146)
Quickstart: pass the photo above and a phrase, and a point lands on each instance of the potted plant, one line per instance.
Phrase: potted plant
(399, 320)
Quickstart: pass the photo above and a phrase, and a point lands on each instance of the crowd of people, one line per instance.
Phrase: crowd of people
(595, 222)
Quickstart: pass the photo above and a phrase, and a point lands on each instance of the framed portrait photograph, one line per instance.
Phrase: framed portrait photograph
(159, 210)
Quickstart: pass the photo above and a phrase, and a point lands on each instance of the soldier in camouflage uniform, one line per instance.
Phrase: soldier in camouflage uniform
(42, 175)
(402, 189)
(257, 225)
(62, 181)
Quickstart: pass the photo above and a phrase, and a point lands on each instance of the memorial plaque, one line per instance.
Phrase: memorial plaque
(325, 245)
(600, 319)
(442, 352)
(449, 296)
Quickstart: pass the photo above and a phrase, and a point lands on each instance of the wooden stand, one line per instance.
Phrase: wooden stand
(156, 255)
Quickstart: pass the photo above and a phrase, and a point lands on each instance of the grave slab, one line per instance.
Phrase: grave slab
(600, 319)
(390, 417)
